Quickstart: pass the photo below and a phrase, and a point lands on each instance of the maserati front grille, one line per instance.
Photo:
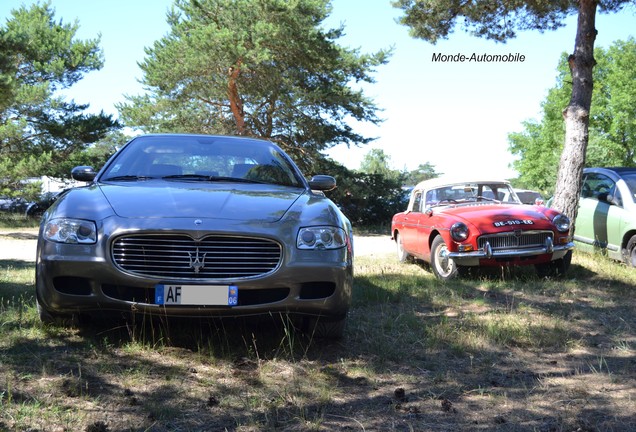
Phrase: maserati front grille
(181, 257)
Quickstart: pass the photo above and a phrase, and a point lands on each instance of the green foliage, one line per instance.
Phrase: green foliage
(498, 20)
(371, 195)
(367, 199)
(263, 68)
(39, 57)
(371, 199)
(425, 171)
(612, 129)
(97, 154)
(613, 117)
(376, 161)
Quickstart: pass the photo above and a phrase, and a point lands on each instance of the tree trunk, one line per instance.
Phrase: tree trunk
(236, 104)
(577, 113)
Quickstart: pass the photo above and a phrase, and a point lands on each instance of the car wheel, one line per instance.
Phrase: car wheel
(443, 267)
(33, 210)
(47, 317)
(325, 327)
(630, 252)
(554, 268)
(402, 255)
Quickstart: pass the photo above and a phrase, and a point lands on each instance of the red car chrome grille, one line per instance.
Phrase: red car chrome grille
(181, 257)
(515, 240)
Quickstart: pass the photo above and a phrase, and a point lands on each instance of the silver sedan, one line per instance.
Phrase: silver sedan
(197, 226)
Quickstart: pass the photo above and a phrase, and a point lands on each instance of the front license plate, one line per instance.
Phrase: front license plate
(212, 295)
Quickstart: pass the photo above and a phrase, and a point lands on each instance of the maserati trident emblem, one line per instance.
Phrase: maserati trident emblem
(197, 263)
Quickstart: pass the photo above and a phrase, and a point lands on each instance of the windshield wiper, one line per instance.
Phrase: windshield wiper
(195, 177)
(483, 198)
(443, 202)
(199, 177)
(128, 178)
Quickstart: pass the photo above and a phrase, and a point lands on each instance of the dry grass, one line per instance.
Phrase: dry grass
(507, 352)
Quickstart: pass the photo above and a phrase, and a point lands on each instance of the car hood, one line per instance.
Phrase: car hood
(267, 203)
(508, 216)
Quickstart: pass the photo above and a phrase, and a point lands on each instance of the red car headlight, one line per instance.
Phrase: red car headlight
(561, 222)
(459, 231)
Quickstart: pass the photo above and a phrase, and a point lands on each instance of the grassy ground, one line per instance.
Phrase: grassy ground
(505, 351)
(13, 220)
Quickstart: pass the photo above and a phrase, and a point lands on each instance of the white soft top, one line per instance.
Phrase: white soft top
(454, 180)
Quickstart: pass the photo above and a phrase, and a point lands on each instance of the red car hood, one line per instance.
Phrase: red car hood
(266, 203)
(485, 217)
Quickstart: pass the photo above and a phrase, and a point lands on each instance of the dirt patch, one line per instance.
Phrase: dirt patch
(18, 244)
(373, 245)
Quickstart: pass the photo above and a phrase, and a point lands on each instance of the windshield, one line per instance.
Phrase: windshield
(201, 158)
(471, 192)
(630, 179)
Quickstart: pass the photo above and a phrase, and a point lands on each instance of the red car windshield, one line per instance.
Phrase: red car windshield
(471, 192)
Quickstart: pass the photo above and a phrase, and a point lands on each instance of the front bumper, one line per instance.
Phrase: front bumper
(76, 279)
(545, 253)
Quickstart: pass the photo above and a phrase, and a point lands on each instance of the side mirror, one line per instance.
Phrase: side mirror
(83, 173)
(322, 183)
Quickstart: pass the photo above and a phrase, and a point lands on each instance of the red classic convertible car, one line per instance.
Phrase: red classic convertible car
(455, 225)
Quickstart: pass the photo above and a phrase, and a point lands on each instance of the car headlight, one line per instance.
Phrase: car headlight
(321, 237)
(561, 222)
(459, 231)
(74, 231)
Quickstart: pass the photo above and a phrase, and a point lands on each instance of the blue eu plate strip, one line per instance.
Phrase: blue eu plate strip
(159, 294)
(232, 298)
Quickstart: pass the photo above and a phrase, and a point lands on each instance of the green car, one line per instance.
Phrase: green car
(606, 220)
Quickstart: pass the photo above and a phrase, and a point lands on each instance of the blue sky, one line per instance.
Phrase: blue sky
(454, 115)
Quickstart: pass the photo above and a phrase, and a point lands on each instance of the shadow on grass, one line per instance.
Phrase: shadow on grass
(13, 289)
(392, 368)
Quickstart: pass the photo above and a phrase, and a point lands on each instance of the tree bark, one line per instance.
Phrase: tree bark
(236, 104)
(577, 114)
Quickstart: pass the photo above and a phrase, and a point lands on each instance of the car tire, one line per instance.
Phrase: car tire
(443, 267)
(630, 252)
(556, 268)
(47, 317)
(402, 255)
(33, 210)
(324, 327)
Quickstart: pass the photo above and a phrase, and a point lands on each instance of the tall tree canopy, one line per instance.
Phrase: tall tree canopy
(39, 57)
(376, 161)
(425, 171)
(499, 20)
(612, 129)
(264, 68)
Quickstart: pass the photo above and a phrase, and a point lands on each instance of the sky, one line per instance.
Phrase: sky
(453, 115)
